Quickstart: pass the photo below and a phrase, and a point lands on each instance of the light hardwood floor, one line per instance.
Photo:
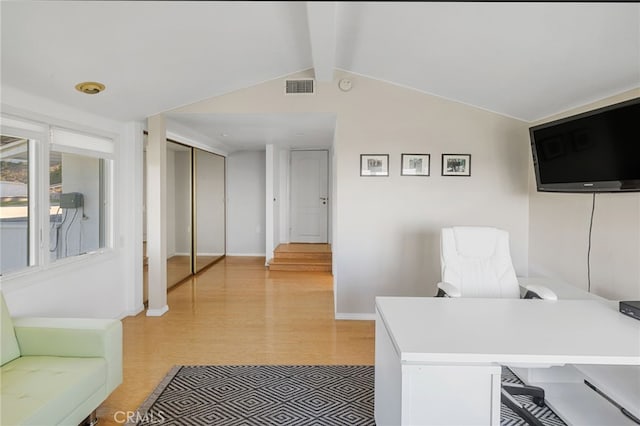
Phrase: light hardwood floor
(178, 268)
(238, 313)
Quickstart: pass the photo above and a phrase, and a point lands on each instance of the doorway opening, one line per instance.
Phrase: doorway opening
(309, 203)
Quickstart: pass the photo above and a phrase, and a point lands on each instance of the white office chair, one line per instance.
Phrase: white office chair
(476, 262)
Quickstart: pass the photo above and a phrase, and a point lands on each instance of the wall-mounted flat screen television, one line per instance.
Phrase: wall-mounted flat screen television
(597, 151)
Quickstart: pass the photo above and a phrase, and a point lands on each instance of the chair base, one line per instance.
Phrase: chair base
(91, 420)
(514, 389)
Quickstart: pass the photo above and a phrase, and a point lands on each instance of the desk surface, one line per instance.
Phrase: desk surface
(509, 331)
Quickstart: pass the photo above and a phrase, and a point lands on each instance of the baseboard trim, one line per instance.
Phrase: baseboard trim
(158, 312)
(133, 312)
(246, 254)
(355, 317)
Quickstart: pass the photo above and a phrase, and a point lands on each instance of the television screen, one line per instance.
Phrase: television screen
(597, 151)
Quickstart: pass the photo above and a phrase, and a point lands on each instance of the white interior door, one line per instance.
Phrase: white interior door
(309, 196)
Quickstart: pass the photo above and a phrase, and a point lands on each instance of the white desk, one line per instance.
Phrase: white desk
(565, 390)
(438, 359)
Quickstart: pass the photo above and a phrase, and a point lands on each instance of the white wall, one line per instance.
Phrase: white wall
(386, 229)
(559, 229)
(273, 200)
(102, 285)
(283, 197)
(246, 203)
(277, 198)
(269, 198)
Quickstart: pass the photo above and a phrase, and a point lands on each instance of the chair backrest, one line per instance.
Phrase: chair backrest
(477, 261)
(10, 349)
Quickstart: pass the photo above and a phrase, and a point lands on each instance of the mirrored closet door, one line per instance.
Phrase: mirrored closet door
(195, 212)
(209, 208)
(178, 213)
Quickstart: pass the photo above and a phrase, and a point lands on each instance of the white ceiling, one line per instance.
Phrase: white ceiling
(246, 132)
(525, 60)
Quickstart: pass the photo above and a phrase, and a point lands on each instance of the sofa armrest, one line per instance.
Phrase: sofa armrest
(73, 337)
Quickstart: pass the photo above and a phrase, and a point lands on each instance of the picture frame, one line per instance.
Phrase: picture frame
(374, 164)
(456, 164)
(415, 164)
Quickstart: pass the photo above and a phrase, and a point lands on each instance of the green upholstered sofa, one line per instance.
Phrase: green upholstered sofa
(57, 371)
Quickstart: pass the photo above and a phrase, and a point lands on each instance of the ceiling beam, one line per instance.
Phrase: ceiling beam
(322, 33)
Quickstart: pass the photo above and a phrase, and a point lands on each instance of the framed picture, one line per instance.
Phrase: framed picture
(374, 164)
(456, 164)
(414, 164)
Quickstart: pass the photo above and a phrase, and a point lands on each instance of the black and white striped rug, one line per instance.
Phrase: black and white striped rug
(279, 395)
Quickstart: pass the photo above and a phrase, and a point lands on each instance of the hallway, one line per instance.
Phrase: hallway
(238, 313)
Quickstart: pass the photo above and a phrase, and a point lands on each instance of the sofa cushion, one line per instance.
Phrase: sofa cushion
(10, 349)
(44, 390)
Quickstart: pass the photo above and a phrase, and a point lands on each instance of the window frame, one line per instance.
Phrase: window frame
(40, 134)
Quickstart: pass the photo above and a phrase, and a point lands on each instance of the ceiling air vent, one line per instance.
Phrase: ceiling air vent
(299, 86)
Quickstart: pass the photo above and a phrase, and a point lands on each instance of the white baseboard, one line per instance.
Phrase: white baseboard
(247, 254)
(356, 317)
(132, 313)
(158, 312)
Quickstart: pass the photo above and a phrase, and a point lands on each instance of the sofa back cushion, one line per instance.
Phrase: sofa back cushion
(10, 348)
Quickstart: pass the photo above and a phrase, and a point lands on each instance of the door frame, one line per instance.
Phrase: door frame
(329, 191)
(278, 190)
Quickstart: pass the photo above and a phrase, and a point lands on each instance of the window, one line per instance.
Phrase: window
(54, 194)
(14, 203)
(76, 200)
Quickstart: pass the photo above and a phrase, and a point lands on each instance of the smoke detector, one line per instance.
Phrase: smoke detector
(90, 87)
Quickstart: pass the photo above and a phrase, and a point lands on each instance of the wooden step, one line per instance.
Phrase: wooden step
(301, 257)
(303, 248)
(299, 266)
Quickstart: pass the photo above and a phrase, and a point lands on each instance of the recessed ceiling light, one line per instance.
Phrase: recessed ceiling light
(90, 87)
(224, 135)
